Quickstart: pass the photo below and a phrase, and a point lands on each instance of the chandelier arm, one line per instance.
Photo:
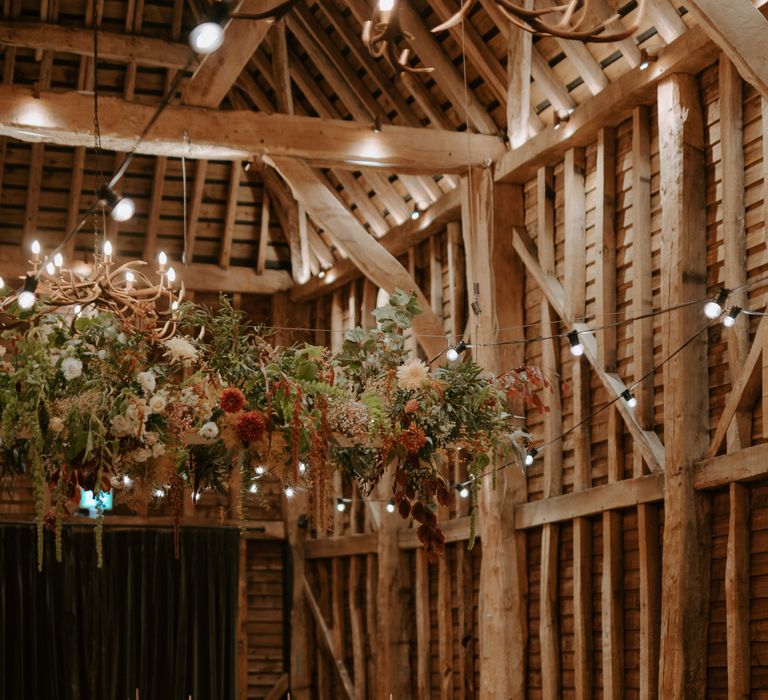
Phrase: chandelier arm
(457, 18)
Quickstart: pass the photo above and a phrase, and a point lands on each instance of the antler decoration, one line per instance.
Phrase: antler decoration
(572, 25)
(383, 33)
(125, 290)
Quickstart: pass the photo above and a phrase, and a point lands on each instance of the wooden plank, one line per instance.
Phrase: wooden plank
(466, 627)
(280, 688)
(682, 669)
(113, 46)
(737, 603)
(327, 638)
(612, 607)
(242, 619)
(456, 280)
(73, 205)
(605, 229)
(32, 205)
(370, 256)
(356, 626)
(549, 628)
(444, 629)
(346, 546)
(261, 258)
(741, 31)
(745, 465)
(230, 214)
(195, 204)
(598, 499)
(454, 530)
(423, 631)
(238, 134)
(734, 235)
(666, 19)
(649, 552)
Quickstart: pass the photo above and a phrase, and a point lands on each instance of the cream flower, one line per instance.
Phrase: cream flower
(158, 403)
(142, 454)
(412, 375)
(158, 449)
(56, 424)
(180, 349)
(209, 431)
(147, 381)
(2, 351)
(71, 368)
(122, 427)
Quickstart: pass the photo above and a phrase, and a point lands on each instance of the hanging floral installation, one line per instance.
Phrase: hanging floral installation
(93, 401)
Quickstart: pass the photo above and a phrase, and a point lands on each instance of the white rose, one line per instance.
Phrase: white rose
(56, 424)
(141, 455)
(209, 431)
(158, 450)
(102, 354)
(122, 427)
(147, 381)
(150, 438)
(71, 368)
(158, 403)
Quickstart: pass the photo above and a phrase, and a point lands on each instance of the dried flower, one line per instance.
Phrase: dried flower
(412, 439)
(412, 375)
(71, 368)
(122, 427)
(250, 426)
(412, 406)
(56, 424)
(146, 381)
(180, 349)
(232, 400)
(158, 403)
(209, 430)
(142, 454)
(158, 449)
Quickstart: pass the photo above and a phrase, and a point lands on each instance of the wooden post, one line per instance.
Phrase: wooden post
(488, 214)
(685, 563)
(423, 631)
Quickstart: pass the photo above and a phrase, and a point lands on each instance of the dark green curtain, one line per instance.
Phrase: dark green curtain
(145, 620)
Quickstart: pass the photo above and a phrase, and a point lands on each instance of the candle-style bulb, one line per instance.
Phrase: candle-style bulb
(35, 247)
(58, 260)
(171, 275)
(162, 258)
(107, 249)
(130, 277)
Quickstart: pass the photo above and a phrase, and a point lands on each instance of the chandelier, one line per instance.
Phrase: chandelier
(576, 22)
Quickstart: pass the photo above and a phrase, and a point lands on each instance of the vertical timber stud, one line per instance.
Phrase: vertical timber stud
(685, 562)
(488, 213)
(519, 47)
(642, 304)
(575, 302)
(553, 458)
(612, 622)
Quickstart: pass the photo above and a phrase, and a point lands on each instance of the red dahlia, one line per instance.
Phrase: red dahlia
(232, 400)
(250, 426)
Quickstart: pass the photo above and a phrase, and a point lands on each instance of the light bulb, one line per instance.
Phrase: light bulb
(2, 283)
(50, 269)
(130, 277)
(123, 209)
(341, 506)
(26, 299)
(171, 275)
(391, 507)
(464, 492)
(254, 488)
(629, 397)
(78, 309)
(206, 37)
(35, 247)
(195, 496)
(302, 468)
(58, 260)
(127, 481)
(321, 274)
(175, 305)
(386, 5)
(452, 355)
(530, 458)
(107, 249)
(577, 349)
(162, 258)
(260, 470)
(415, 214)
(712, 309)
(289, 492)
(730, 320)
(158, 493)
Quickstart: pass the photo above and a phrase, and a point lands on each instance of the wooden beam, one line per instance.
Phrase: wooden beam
(682, 669)
(230, 214)
(327, 637)
(549, 626)
(346, 546)
(744, 465)
(734, 234)
(280, 688)
(666, 19)
(64, 118)
(519, 48)
(647, 440)
(737, 601)
(423, 629)
(599, 499)
(370, 257)
(113, 46)
(155, 202)
(605, 229)
(741, 31)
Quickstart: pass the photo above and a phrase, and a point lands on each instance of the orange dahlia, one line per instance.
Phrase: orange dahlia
(250, 426)
(232, 400)
(413, 438)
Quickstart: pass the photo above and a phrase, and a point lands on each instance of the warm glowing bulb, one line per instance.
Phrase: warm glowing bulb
(712, 309)
(302, 468)
(123, 210)
(632, 402)
(415, 214)
(58, 260)
(26, 299)
(341, 506)
(2, 283)
(171, 275)
(452, 355)
(162, 258)
(529, 460)
(321, 274)
(577, 349)
(50, 269)
(78, 309)
(464, 492)
(386, 5)
(175, 305)
(390, 507)
(130, 277)
(289, 492)
(35, 247)
(127, 481)
(159, 493)
(107, 248)
(260, 470)
(254, 488)
(206, 37)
